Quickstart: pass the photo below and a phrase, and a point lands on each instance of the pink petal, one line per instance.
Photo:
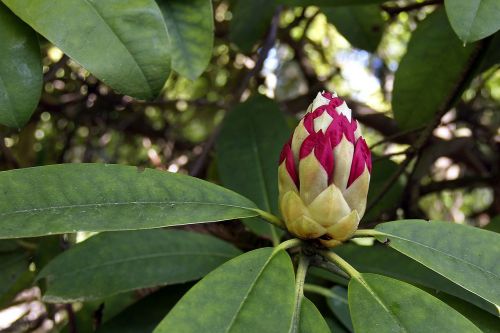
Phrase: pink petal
(323, 151)
(287, 156)
(361, 157)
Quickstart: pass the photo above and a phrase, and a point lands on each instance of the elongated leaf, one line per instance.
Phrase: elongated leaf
(145, 315)
(20, 70)
(248, 149)
(340, 307)
(250, 293)
(362, 26)
(473, 19)
(386, 261)
(382, 304)
(421, 88)
(335, 326)
(250, 21)
(311, 320)
(191, 29)
(107, 263)
(465, 255)
(97, 197)
(123, 44)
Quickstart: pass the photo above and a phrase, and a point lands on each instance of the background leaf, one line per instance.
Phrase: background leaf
(328, 2)
(421, 88)
(339, 305)
(250, 22)
(248, 149)
(465, 255)
(107, 264)
(20, 70)
(362, 26)
(14, 273)
(382, 304)
(99, 197)
(383, 260)
(311, 320)
(473, 19)
(250, 293)
(124, 45)
(191, 29)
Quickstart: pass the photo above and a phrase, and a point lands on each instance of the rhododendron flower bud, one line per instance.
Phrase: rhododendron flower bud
(324, 173)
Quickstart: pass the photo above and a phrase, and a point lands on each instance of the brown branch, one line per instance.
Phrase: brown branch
(393, 10)
(453, 184)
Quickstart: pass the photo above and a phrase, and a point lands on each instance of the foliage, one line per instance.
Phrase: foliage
(199, 97)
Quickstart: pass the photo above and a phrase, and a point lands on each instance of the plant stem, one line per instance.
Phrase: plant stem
(273, 219)
(336, 259)
(288, 244)
(312, 288)
(274, 236)
(367, 233)
(299, 289)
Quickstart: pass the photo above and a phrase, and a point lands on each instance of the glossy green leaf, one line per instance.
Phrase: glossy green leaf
(362, 26)
(421, 88)
(382, 304)
(386, 261)
(466, 255)
(311, 320)
(248, 150)
(20, 70)
(250, 21)
(106, 264)
(96, 197)
(340, 306)
(190, 26)
(473, 19)
(123, 44)
(145, 315)
(250, 293)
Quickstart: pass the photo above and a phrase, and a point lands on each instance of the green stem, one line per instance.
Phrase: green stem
(346, 267)
(274, 236)
(300, 277)
(312, 288)
(273, 219)
(288, 244)
(367, 233)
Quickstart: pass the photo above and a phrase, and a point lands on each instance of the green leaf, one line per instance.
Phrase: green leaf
(335, 327)
(340, 307)
(383, 170)
(362, 26)
(494, 224)
(386, 261)
(20, 70)
(311, 320)
(331, 3)
(466, 255)
(97, 197)
(473, 19)
(124, 45)
(250, 22)
(421, 88)
(106, 264)
(145, 315)
(382, 304)
(14, 274)
(248, 149)
(191, 29)
(250, 293)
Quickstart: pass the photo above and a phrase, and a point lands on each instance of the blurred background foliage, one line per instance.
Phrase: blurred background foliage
(428, 104)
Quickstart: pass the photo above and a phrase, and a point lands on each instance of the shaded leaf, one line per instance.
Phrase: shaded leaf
(106, 264)
(422, 88)
(20, 70)
(96, 197)
(191, 29)
(466, 255)
(14, 274)
(250, 293)
(250, 22)
(340, 306)
(248, 150)
(328, 2)
(382, 304)
(362, 26)
(124, 45)
(386, 261)
(473, 19)
(311, 320)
